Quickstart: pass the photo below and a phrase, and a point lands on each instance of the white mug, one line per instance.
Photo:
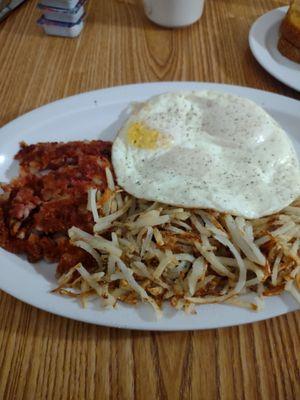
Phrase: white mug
(174, 13)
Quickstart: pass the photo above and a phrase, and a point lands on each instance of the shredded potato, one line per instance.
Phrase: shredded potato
(151, 252)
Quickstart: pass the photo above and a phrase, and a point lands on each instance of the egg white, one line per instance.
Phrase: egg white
(207, 150)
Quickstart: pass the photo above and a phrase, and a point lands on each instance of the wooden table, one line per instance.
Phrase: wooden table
(43, 356)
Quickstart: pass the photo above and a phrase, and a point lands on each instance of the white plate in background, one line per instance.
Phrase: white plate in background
(97, 115)
(263, 39)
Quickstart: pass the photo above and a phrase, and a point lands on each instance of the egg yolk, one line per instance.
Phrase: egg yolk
(142, 137)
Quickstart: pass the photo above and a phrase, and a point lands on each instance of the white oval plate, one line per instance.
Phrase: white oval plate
(98, 114)
(263, 39)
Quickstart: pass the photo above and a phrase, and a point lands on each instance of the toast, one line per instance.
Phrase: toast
(290, 27)
(289, 41)
(288, 50)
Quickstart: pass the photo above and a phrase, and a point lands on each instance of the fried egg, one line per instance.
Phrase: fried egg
(207, 149)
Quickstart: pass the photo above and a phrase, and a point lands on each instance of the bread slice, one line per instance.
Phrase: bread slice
(290, 27)
(288, 50)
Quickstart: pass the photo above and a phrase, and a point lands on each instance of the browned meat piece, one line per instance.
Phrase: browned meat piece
(49, 197)
(41, 156)
(9, 243)
(75, 180)
(72, 256)
(23, 203)
(60, 215)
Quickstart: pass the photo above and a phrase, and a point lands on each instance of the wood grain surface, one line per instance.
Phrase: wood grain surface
(43, 356)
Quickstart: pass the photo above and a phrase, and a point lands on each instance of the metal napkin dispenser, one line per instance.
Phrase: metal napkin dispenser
(7, 6)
